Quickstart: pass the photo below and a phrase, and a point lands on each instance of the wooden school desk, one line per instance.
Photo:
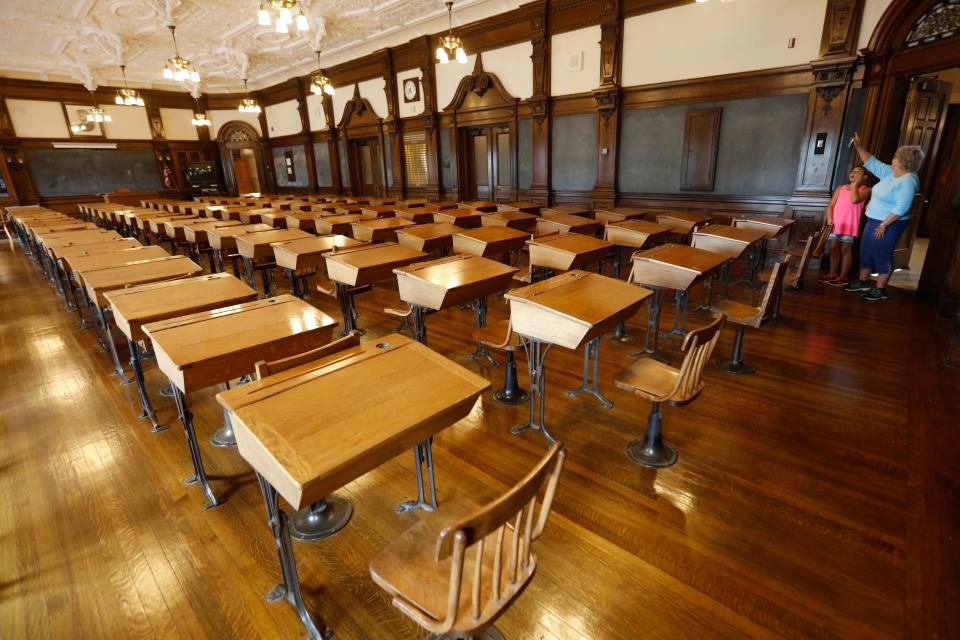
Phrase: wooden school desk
(608, 215)
(732, 242)
(379, 229)
(522, 207)
(563, 223)
(290, 429)
(483, 206)
(356, 268)
(224, 239)
(304, 220)
(632, 233)
(435, 236)
(677, 267)
(512, 219)
(489, 241)
(256, 252)
(417, 215)
(339, 224)
(213, 347)
(460, 217)
(565, 210)
(571, 310)
(451, 281)
(565, 251)
(305, 256)
(683, 222)
(136, 306)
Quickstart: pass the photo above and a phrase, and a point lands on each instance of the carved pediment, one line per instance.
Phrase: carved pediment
(357, 111)
(480, 89)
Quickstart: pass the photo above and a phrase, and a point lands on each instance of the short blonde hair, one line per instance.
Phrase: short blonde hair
(911, 157)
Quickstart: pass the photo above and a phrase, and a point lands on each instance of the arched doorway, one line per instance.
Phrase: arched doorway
(242, 156)
(912, 64)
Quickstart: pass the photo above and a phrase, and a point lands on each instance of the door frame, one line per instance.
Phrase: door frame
(464, 151)
(236, 135)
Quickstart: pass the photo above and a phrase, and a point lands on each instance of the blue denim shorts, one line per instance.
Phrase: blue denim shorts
(876, 254)
(845, 239)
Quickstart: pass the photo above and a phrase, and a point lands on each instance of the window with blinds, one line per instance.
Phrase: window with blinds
(415, 155)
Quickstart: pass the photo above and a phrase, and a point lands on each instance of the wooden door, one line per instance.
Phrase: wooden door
(480, 164)
(490, 160)
(367, 162)
(241, 171)
(922, 125)
(502, 156)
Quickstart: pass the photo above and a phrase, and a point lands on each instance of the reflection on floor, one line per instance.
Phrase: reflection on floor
(908, 278)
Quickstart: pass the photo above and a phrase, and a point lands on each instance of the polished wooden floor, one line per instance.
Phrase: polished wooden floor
(815, 499)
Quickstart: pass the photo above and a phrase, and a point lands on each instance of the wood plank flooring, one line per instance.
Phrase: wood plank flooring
(815, 499)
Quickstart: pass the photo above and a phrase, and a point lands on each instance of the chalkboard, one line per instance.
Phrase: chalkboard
(321, 154)
(574, 154)
(74, 172)
(524, 154)
(758, 150)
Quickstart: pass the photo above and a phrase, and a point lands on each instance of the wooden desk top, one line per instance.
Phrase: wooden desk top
(488, 241)
(136, 306)
(347, 209)
(304, 220)
(513, 219)
(565, 210)
(156, 224)
(485, 206)
(340, 224)
(770, 225)
(307, 253)
(418, 215)
(203, 349)
(225, 238)
(369, 263)
(682, 221)
(196, 230)
(436, 205)
(675, 266)
(572, 308)
(98, 247)
(377, 211)
(636, 233)
(99, 281)
(607, 215)
(276, 218)
(452, 280)
(378, 229)
(253, 216)
(54, 243)
(428, 237)
(92, 262)
(256, 245)
(730, 241)
(459, 217)
(566, 250)
(291, 426)
(522, 207)
(566, 223)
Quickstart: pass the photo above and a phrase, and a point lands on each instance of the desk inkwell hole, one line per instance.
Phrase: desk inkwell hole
(383, 345)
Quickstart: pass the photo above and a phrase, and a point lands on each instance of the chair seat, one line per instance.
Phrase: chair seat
(398, 312)
(648, 378)
(407, 567)
(738, 313)
(492, 335)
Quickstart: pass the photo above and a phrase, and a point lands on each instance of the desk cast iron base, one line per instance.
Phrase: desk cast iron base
(536, 353)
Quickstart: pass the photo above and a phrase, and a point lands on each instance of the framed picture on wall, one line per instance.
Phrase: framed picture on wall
(156, 127)
(77, 123)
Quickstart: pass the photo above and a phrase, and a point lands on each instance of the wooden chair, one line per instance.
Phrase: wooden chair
(448, 572)
(658, 382)
(500, 335)
(744, 315)
(326, 516)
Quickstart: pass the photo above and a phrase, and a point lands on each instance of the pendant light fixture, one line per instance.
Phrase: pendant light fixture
(284, 17)
(95, 115)
(319, 83)
(248, 104)
(178, 68)
(450, 45)
(127, 97)
(200, 118)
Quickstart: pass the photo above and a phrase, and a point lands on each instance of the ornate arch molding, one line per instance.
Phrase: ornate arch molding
(358, 112)
(237, 131)
(480, 90)
(916, 20)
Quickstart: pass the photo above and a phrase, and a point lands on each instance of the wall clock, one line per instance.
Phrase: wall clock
(411, 90)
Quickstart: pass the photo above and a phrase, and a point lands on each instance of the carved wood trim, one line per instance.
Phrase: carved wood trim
(358, 112)
(841, 28)
(480, 90)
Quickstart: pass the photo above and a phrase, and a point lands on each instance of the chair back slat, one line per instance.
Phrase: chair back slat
(698, 345)
(264, 368)
(824, 232)
(774, 285)
(796, 280)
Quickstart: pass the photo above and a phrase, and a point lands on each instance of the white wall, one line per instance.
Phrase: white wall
(340, 98)
(128, 123)
(415, 108)
(713, 38)
(37, 119)
(872, 11)
(511, 64)
(372, 90)
(583, 46)
(283, 118)
(220, 117)
(318, 121)
(176, 124)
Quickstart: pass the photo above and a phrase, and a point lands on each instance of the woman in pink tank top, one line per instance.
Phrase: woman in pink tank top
(844, 211)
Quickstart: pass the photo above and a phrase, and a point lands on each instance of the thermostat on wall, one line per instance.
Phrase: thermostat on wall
(575, 61)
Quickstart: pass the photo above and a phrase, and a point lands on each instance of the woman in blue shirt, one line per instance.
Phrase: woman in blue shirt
(887, 214)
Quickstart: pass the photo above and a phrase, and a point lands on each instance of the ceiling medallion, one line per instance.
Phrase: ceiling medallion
(248, 104)
(127, 97)
(450, 45)
(284, 18)
(178, 68)
(319, 83)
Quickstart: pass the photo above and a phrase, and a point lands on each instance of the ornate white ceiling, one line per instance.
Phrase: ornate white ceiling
(86, 40)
